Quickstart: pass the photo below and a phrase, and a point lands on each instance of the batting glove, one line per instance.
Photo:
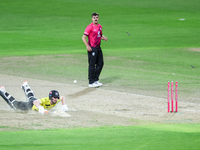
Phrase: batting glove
(64, 108)
(41, 109)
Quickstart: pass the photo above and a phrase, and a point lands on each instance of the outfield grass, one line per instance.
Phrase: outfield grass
(37, 36)
(45, 26)
(138, 137)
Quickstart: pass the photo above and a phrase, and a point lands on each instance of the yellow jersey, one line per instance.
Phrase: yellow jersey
(45, 102)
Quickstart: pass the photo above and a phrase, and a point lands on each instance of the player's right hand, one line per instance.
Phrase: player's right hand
(41, 109)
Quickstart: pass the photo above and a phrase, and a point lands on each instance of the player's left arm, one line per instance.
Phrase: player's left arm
(64, 106)
(104, 38)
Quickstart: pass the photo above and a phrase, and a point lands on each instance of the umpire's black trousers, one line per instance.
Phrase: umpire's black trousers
(95, 60)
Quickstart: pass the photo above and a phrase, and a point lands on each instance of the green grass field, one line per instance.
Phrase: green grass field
(137, 137)
(37, 36)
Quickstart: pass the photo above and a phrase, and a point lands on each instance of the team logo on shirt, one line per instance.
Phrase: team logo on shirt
(93, 53)
(99, 34)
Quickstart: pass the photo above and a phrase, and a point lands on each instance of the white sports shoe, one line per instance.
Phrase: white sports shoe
(93, 85)
(25, 83)
(2, 89)
(97, 82)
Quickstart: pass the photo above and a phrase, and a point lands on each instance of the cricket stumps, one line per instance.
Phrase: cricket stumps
(172, 97)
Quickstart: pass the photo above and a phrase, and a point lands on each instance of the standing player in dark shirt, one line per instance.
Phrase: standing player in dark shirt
(95, 56)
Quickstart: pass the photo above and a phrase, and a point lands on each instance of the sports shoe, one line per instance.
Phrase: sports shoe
(93, 85)
(2, 89)
(8, 98)
(97, 82)
(25, 83)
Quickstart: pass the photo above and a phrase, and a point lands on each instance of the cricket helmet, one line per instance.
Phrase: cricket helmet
(54, 93)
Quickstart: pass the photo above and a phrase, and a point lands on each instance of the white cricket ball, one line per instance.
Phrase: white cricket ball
(75, 81)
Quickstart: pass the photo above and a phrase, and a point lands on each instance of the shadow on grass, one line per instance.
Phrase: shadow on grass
(110, 79)
(82, 93)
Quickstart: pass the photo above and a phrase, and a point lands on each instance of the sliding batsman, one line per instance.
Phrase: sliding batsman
(41, 105)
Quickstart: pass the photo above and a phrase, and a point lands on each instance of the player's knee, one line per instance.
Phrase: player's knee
(30, 95)
(27, 90)
(21, 105)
